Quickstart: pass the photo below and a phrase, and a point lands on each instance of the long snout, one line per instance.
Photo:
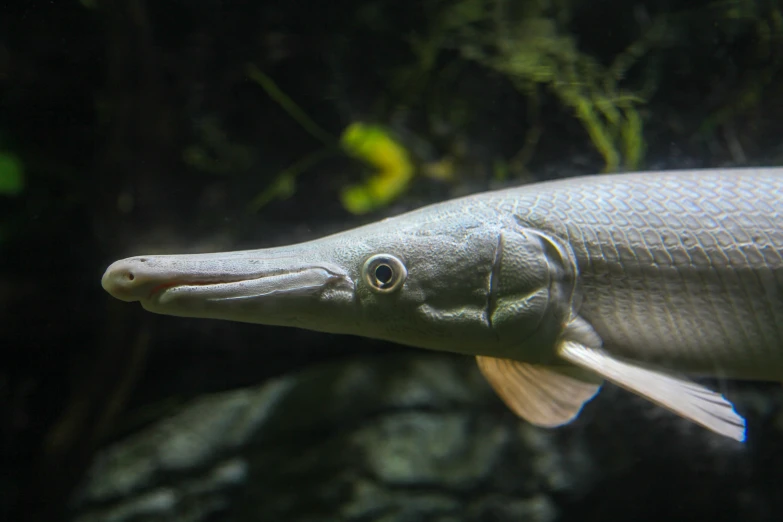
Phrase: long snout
(233, 275)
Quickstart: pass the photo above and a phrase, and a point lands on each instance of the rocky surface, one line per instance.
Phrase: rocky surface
(421, 437)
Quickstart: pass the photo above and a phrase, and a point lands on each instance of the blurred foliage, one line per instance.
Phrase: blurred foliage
(11, 174)
(534, 49)
(283, 185)
(372, 144)
(533, 45)
(393, 167)
(290, 107)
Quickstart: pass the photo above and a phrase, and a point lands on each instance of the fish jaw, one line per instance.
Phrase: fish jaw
(256, 286)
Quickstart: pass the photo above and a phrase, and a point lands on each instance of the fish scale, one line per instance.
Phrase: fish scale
(726, 288)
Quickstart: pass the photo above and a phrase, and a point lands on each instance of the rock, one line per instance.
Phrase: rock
(392, 438)
(406, 438)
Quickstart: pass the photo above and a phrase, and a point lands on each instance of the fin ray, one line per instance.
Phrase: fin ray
(685, 398)
(543, 395)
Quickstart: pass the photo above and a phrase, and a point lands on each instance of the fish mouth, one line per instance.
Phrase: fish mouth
(167, 280)
(300, 282)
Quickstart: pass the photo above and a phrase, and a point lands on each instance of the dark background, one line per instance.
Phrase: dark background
(139, 130)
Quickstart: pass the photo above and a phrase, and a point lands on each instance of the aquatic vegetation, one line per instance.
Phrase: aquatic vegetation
(284, 184)
(372, 144)
(533, 50)
(393, 167)
(12, 180)
(532, 45)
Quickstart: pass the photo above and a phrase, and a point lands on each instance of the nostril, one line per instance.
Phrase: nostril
(123, 282)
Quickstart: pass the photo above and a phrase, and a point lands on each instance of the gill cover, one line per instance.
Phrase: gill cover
(533, 292)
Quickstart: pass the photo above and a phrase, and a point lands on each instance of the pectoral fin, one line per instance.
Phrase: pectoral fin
(542, 395)
(687, 399)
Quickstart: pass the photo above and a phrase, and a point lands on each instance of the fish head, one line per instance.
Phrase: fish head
(446, 282)
(475, 283)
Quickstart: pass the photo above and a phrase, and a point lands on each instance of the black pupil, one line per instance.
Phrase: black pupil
(383, 273)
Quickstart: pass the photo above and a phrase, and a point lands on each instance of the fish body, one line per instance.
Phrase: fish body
(554, 287)
(683, 269)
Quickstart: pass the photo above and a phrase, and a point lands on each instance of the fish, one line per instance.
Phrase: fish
(647, 280)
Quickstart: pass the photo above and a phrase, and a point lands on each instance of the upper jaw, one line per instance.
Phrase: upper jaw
(215, 277)
(298, 282)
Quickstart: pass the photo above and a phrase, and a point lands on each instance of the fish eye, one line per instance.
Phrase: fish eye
(384, 273)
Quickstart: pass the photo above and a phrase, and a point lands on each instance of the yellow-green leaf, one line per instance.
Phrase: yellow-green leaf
(11, 174)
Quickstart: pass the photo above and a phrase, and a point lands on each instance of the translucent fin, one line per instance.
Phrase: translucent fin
(687, 399)
(542, 395)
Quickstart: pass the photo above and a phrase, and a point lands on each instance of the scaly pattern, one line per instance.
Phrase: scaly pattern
(674, 266)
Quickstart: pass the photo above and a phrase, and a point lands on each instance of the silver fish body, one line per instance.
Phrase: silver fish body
(554, 287)
(684, 269)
